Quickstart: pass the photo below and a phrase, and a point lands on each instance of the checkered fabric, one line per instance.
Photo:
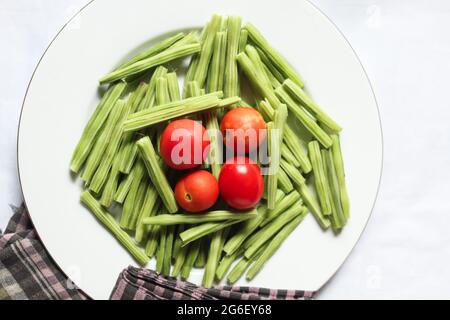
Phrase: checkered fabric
(26, 270)
(144, 284)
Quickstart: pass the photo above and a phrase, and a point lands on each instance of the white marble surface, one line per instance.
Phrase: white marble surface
(404, 47)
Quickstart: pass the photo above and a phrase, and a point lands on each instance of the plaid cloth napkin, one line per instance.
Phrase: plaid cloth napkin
(144, 284)
(27, 272)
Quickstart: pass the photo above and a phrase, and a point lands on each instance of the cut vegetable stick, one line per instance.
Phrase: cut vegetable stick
(159, 114)
(257, 80)
(150, 95)
(162, 91)
(152, 241)
(243, 37)
(304, 118)
(279, 195)
(141, 91)
(133, 201)
(149, 205)
(94, 126)
(270, 67)
(140, 196)
(128, 152)
(295, 175)
(108, 221)
(337, 218)
(295, 145)
(193, 64)
(298, 94)
(152, 233)
(125, 184)
(167, 260)
(162, 98)
(177, 243)
(180, 259)
(161, 46)
(193, 89)
(287, 155)
(215, 145)
(265, 109)
(213, 83)
(264, 196)
(111, 185)
(320, 180)
(207, 49)
(239, 268)
(223, 58)
(152, 244)
(160, 254)
(212, 80)
(175, 104)
(282, 205)
(231, 84)
(224, 237)
(273, 81)
(277, 59)
(212, 261)
(156, 174)
(129, 204)
(235, 242)
(256, 60)
(264, 234)
(284, 182)
(190, 74)
(280, 118)
(173, 87)
(212, 216)
(290, 138)
(135, 93)
(226, 263)
(327, 185)
(273, 246)
(190, 260)
(204, 229)
(111, 154)
(270, 143)
(227, 102)
(124, 188)
(224, 23)
(200, 262)
(102, 142)
(204, 103)
(313, 206)
(340, 172)
(190, 38)
(158, 59)
(250, 240)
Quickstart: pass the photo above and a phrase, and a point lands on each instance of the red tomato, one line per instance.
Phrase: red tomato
(243, 126)
(197, 191)
(184, 144)
(241, 184)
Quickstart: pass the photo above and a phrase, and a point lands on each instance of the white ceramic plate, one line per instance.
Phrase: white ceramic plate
(63, 94)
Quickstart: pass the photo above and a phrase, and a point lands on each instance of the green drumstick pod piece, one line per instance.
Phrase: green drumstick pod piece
(108, 221)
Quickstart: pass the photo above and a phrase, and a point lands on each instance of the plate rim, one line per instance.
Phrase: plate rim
(381, 136)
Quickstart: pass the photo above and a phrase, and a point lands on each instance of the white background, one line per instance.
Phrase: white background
(404, 46)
